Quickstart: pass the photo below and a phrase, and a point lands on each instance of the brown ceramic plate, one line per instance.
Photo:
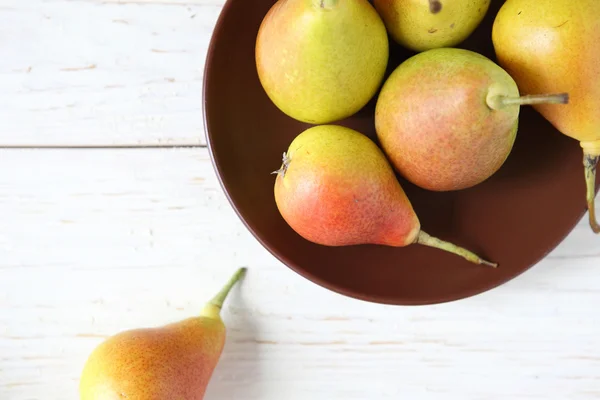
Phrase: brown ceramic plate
(515, 218)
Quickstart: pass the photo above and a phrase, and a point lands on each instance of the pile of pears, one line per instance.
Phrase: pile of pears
(446, 118)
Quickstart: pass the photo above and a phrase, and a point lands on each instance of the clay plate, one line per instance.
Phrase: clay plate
(515, 218)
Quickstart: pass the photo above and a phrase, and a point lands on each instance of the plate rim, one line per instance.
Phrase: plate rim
(339, 289)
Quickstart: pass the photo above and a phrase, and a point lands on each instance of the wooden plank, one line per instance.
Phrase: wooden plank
(103, 73)
(162, 2)
(94, 242)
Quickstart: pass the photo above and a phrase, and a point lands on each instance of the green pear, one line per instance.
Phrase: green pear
(321, 60)
(448, 118)
(551, 45)
(422, 25)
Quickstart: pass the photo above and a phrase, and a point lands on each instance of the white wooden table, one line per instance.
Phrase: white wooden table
(98, 236)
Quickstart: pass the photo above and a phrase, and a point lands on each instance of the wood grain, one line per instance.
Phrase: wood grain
(103, 73)
(97, 241)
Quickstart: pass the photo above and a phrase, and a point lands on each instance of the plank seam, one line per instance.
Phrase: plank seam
(93, 147)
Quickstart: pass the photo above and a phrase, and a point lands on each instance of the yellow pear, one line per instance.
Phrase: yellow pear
(172, 362)
(321, 60)
(422, 25)
(554, 45)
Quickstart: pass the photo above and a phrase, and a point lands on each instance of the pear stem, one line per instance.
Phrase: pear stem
(498, 102)
(427, 240)
(590, 163)
(284, 166)
(326, 4)
(435, 6)
(220, 297)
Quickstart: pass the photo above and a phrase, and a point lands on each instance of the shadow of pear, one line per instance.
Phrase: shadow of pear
(238, 373)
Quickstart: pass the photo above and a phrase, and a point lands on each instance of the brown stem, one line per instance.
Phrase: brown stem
(326, 4)
(498, 102)
(590, 162)
(427, 240)
(435, 6)
(284, 166)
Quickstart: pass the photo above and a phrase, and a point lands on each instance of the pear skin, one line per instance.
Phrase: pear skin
(447, 118)
(172, 362)
(554, 45)
(321, 60)
(421, 25)
(336, 188)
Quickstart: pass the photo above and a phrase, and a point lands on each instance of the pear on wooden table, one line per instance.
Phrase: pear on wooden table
(336, 188)
(321, 60)
(447, 118)
(172, 362)
(554, 45)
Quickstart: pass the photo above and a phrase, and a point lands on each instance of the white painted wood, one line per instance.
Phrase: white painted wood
(94, 242)
(98, 72)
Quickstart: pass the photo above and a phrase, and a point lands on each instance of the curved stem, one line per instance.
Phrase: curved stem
(220, 297)
(212, 309)
(427, 240)
(435, 6)
(590, 163)
(498, 102)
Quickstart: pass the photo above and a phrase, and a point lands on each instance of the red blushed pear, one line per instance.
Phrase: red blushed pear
(336, 188)
(549, 45)
(172, 362)
(447, 118)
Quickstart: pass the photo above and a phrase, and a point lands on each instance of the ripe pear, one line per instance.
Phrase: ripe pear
(422, 25)
(321, 60)
(448, 118)
(336, 188)
(549, 45)
(172, 362)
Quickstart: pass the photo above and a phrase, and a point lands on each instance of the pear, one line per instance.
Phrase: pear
(447, 118)
(321, 60)
(422, 25)
(550, 45)
(336, 188)
(172, 362)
